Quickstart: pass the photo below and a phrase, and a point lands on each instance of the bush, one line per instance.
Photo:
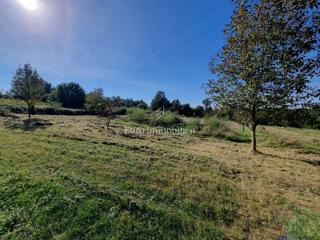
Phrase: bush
(138, 115)
(168, 120)
(213, 126)
(213, 123)
(121, 111)
(4, 112)
(196, 125)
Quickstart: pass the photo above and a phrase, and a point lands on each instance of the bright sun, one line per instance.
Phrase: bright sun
(29, 4)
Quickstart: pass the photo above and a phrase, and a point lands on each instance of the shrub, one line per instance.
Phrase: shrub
(196, 125)
(168, 120)
(4, 112)
(138, 115)
(213, 123)
(94, 100)
(120, 111)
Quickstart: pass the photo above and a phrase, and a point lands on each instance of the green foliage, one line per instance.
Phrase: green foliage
(186, 110)
(160, 101)
(175, 106)
(218, 127)
(4, 112)
(304, 226)
(143, 117)
(268, 57)
(207, 104)
(199, 111)
(195, 124)
(213, 123)
(121, 111)
(168, 120)
(47, 90)
(94, 100)
(70, 95)
(138, 115)
(28, 86)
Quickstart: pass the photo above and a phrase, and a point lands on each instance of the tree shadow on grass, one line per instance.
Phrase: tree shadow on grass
(26, 125)
(308, 161)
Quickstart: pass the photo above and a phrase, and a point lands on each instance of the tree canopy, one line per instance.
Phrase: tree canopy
(160, 101)
(70, 95)
(28, 86)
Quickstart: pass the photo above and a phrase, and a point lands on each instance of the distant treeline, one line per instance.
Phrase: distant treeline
(71, 99)
(30, 87)
(308, 117)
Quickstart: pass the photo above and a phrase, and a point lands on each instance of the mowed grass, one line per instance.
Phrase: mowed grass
(74, 179)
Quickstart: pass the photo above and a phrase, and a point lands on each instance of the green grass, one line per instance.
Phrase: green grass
(214, 126)
(168, 120)
(138, 115)
(76, 180)
(19, 103)
(141, 116)
(304, 226)
(62, 188)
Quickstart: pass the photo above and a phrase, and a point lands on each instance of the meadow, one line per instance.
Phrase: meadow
(71, 178)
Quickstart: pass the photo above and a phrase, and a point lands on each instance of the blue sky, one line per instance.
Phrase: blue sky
(130, 48)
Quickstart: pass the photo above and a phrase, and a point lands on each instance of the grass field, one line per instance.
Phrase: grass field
(74, 179)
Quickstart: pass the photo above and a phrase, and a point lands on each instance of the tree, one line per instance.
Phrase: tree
(198, 111)
(175, 106)
(141, 104)
(28, 86)
(106, 109)
(94, 99)
(186, 110)
(268, 57)
(160, 101)
(47, 89)
(207, 105)
(70, 95)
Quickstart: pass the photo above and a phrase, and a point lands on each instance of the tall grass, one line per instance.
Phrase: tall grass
(218, 127)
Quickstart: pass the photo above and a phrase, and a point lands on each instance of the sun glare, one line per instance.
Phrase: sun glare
(29, 4)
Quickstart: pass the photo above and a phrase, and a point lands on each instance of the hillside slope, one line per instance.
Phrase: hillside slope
(74, 179)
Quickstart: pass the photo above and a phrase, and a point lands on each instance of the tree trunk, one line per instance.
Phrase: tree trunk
(108, 122)
(254, 139)
(29, 111)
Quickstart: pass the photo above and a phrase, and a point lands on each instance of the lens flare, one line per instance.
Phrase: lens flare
(29, 4)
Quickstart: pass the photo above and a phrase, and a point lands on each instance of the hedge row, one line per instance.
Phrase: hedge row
(56, 111)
